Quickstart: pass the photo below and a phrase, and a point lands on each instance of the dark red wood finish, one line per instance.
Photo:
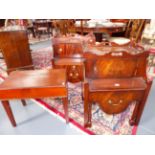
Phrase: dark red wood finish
(114, 80)
(34, 84)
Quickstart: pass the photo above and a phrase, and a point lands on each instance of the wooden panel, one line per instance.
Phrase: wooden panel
(114, 81)
(113, 84)
(114, 68)
(115, 65)
(35, 79)
(15, 49)
(67, 49)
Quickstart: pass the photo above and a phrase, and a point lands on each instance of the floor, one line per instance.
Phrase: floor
(33, 119)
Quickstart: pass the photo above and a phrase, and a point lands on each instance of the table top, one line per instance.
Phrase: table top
(109, 27)
(35, 79)
(42, 21)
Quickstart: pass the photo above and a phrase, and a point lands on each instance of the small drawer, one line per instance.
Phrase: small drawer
(59, 50)
(75, 73)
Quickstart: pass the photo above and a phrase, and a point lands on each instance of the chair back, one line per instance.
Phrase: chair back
(134, 29)
(15, 49)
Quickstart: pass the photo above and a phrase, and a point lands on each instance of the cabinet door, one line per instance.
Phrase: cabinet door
(59, 50)
(74, 72)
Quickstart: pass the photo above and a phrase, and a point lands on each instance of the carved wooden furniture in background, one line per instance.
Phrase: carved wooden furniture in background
(119, 20)
(134, 29)
(34, 84)
(137, 29)
(98, 30)
(80, 28)
(114, 80)
(64, 25)
(42, 27)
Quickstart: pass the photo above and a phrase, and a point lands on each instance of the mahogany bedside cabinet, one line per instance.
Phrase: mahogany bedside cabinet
(69, 55)
(113, 81)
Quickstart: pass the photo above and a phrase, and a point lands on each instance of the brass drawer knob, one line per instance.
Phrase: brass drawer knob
(109, 101)
(121, 101)
(77, 74)
(73, 67)
(116, 84)
(71, 74)
(63, 83)
(60, 50)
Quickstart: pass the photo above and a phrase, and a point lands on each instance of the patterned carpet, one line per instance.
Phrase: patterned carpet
(33, 40)
(102, 123)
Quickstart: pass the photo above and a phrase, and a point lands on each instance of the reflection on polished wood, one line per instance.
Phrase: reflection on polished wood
(15, 49)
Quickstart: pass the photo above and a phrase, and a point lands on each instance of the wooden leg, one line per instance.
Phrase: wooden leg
(87, 110)
(140, 107)
(82, 93)
(132, 121)
(65, 104)
(23, 102)
(8, 110)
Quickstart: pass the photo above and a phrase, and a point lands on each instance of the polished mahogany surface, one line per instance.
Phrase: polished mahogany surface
(114, 79)
(102, 48)
(15, 49)
(115, 65)
(71, 61)
(68, 53)
(117, 84)
(98, 28)
(74, 68)
(34, 83)
(67, 46)
(67, 49)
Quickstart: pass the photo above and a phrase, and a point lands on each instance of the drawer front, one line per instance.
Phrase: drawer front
(74, 73)
(115, 102)
(59, 50)
(64, 50)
